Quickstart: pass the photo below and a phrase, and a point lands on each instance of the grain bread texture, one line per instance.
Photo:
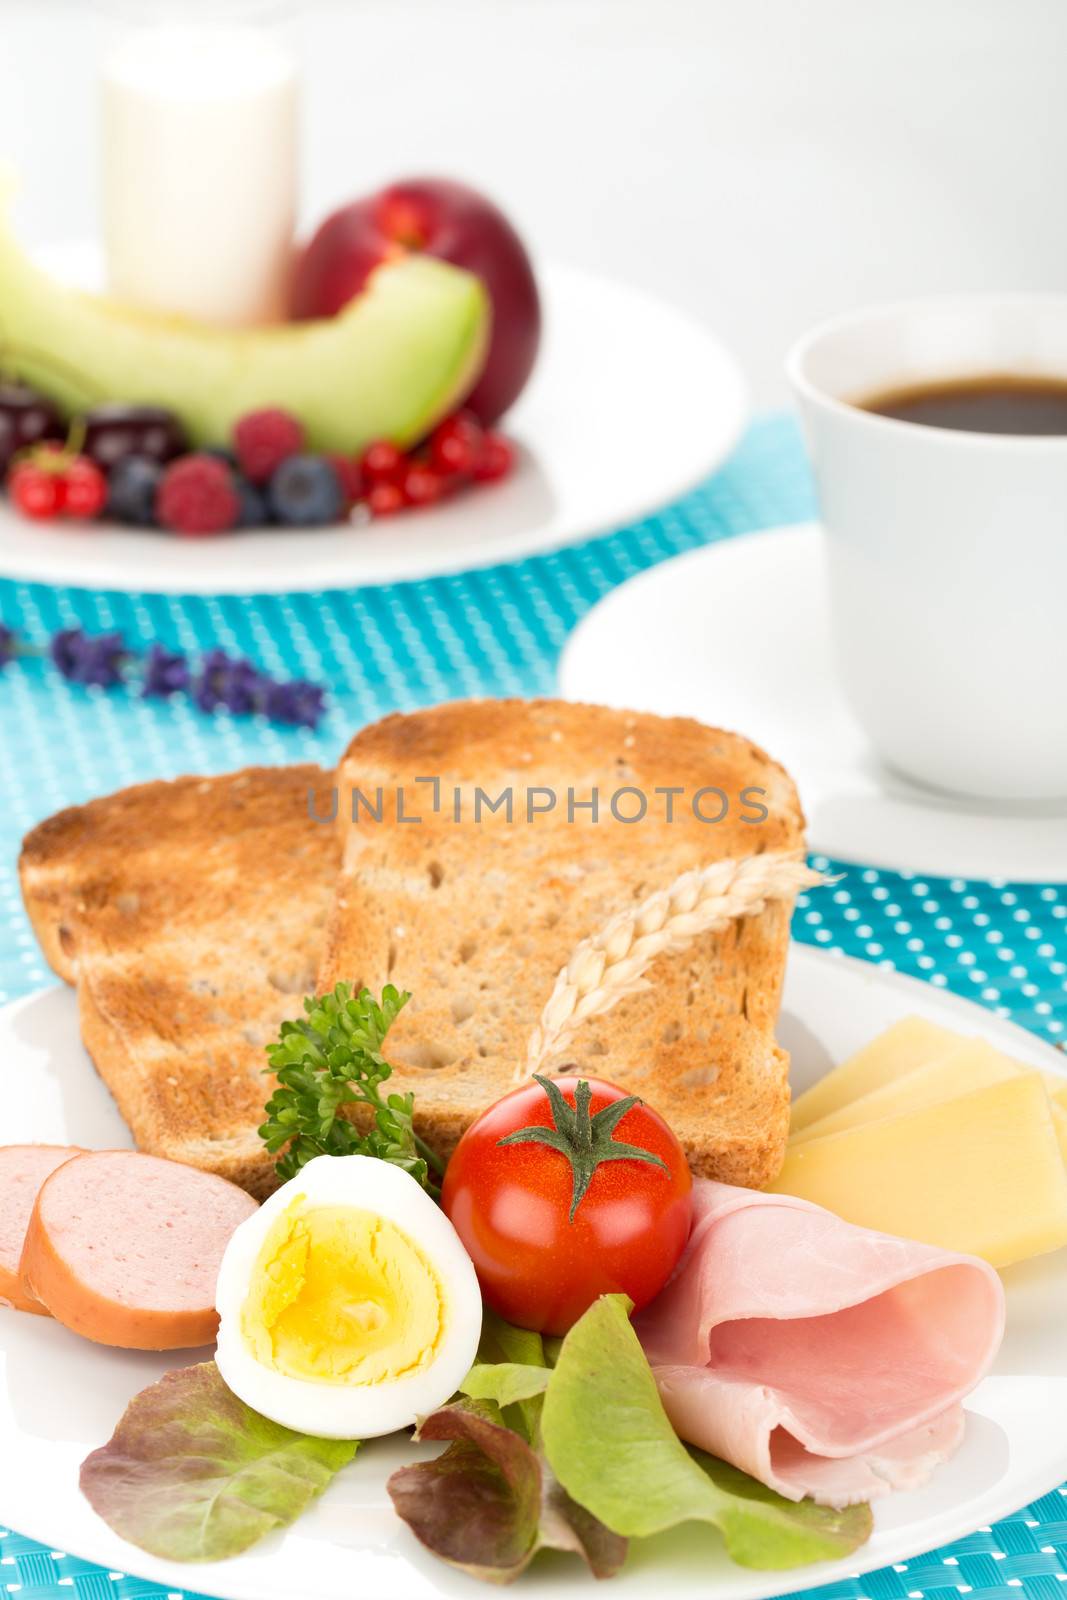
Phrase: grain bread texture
(476, 918)
(190, 915)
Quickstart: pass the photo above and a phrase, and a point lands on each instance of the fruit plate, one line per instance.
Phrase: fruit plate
(698, 615)
(60, 1396)
(599, 447)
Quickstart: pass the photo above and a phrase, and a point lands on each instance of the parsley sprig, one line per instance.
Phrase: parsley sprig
(332, 1058)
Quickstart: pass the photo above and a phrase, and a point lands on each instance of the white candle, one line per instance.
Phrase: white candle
(199, 149)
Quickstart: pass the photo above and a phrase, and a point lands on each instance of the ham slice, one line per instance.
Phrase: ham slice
(823, 1359)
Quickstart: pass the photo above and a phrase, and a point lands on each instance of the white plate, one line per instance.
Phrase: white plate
(737, 634)
(632, 403)
(60, 1396)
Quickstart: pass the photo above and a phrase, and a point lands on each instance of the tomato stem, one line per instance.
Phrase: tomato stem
(585, 1141)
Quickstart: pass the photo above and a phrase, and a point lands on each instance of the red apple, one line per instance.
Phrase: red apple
(457, 224)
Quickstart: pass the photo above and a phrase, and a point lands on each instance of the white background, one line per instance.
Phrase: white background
(760, 162)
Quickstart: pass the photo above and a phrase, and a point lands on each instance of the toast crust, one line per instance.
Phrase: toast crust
(476, 919)
(191, 915)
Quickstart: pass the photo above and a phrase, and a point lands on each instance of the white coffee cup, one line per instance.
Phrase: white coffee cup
(947, 551)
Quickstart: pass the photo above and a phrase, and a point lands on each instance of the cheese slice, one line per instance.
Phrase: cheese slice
(910, 1043)
(973, 1064)
(982, 1173)
(1059, 1122)
(1057, 1088)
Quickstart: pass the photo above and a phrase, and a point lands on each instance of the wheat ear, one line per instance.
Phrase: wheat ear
(610, 965)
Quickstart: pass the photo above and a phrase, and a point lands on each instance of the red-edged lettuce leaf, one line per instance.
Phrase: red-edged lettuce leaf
(490, 1502)
(193, 1474)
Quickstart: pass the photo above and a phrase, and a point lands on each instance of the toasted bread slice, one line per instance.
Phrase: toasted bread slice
(476, 918)
(191, 915)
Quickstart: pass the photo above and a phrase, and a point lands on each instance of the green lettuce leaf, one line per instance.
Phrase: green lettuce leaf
(609, 1442)
(193, 1474)
(512, 1369)
(501, 1342)
(762, 1529)
(505, 1382)
(489, 1503)
(552, 1348)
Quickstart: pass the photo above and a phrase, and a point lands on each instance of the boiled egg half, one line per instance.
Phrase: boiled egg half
(348, 1306)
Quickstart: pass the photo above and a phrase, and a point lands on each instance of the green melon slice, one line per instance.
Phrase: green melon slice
(398, 358)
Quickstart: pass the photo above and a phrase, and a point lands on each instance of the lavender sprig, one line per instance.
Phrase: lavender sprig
(165, 672)
(298, 703)
(217, 682)
(89, 659)
(228, 681)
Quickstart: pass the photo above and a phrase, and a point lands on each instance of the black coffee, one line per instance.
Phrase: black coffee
(998, 403)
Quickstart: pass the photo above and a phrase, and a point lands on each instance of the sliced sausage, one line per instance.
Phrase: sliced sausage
(23, 1169)
(125, 1248)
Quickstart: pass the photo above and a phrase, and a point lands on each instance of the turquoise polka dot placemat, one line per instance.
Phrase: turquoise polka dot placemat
(499, 632)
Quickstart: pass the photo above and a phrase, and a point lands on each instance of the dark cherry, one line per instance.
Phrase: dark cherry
(114, 431)
(26, 418)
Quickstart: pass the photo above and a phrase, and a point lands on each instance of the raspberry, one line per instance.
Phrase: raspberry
(264, 439)
(196, 495)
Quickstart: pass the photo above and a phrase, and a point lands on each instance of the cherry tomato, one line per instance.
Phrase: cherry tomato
(551, 1218)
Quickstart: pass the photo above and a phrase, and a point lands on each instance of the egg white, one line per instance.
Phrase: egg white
(338, 1410)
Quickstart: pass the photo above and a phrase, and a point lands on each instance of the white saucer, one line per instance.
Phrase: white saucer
(60, 1396)
(599, 449)
(737, 634)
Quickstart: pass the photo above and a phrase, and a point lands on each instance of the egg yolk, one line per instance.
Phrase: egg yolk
(339, 1295)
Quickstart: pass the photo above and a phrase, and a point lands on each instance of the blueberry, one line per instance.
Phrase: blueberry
(131, 490)
(306, 492)
(254, 510)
